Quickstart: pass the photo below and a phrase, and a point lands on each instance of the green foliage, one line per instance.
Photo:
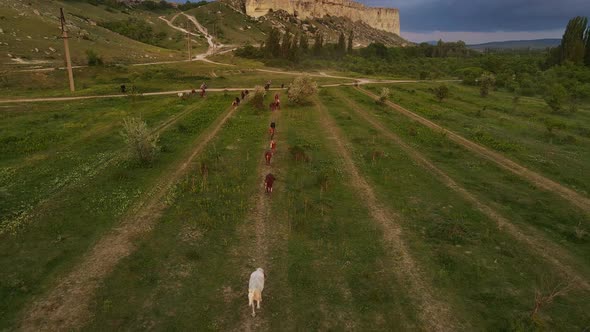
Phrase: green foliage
(551, 124)
(303, 43)
(140, 140)
(470, 75)
(383, 95)
(350, 41)
(93, 58)
(190, 5)
(318, 44)
(555, 97)
(250, 52)
(486, 82)
(573, 46)
(137, 29)
(441, 92)
(272, 46)
(302, 89)
(341, 47)
(256, 98)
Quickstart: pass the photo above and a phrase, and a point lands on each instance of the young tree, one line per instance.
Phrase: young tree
(341, 48)
(273, 44)
(350, 41)
(93, 58)
(573, 46)
(555, 97)
(383, 96)
(587, 58)
(441, 92)
(303, 43)
(486, 82)
(294, 49)
(286, 44)
(318, 44)
(141, 142)
(302, 88)
(257, 97)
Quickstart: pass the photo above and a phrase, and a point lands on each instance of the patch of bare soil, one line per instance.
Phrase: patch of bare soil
(536, 179)
(552, 253)
(433, 313)
(66, 306)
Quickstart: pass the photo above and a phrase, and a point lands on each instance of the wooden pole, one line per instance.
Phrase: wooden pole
(67, 50)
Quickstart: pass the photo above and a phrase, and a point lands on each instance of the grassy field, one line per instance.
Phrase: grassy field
(166, 77)
(485, 245)
(518, 129)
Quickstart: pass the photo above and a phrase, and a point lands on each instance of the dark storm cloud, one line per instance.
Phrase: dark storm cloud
(482, 16)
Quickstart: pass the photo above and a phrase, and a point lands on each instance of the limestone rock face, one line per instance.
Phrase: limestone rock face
(386, 19)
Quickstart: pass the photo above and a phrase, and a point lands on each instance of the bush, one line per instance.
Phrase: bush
(302, 88)
(93, 58)
(555, 97)
(137, 29)
(142, 143)
(441, 92)
(486, 82)
(257, 97)
(383, 95)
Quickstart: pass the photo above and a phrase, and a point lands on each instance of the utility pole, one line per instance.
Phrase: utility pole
(64, 33)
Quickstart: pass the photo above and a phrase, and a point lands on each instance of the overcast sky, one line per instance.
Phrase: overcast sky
(478, 21)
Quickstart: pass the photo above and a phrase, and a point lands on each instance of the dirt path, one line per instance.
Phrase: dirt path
(580, 201)
(532, 239)
(433, 313)
(66, 306)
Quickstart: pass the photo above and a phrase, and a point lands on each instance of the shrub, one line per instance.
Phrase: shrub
(93, 58)
(486, 82)
(298, 153)
(441, 92)
(256, 98)
(555, 97)
(302, 88)
(383, 95)
(142, 143)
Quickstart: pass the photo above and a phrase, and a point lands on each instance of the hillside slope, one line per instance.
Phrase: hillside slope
(30, 34)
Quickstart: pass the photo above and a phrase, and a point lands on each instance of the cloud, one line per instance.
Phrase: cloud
(485, 16)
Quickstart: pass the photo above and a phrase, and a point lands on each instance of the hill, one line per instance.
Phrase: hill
(30, 33)
(537, 44)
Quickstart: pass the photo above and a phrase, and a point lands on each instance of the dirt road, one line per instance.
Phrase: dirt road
(580, 201)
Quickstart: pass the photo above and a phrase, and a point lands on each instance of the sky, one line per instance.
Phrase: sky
(477, 21)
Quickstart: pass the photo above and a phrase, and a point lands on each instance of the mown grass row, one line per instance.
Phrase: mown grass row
(50, 244)
(523, 129)
(489, 279)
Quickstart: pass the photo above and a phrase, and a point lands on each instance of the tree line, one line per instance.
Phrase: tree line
(575, 44)
(292, 46)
